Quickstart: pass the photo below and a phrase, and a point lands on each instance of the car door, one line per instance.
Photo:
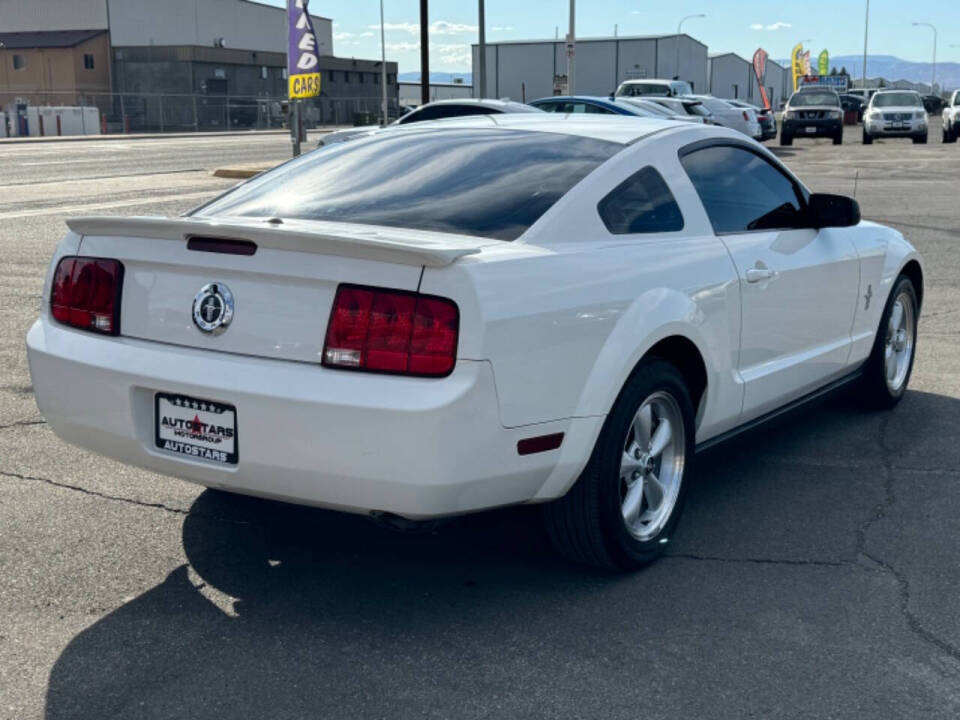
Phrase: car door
(798, 286)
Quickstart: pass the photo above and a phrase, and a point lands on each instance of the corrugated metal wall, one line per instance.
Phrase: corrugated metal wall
(33, 15)
(525, 71)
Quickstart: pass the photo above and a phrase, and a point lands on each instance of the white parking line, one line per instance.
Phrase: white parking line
(73, 209)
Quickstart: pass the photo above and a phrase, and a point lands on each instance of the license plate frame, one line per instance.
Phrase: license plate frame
(213, 439)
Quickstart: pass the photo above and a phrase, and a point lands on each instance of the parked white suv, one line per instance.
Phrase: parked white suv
(663, 88)
(951, 118)
(742, 119)
(895, 113)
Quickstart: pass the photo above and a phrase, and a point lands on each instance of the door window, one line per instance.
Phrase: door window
(742, 191)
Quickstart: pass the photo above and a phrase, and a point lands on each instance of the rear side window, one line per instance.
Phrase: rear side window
(486, 182)
(439, 112)
(742, 191)
(641, 204)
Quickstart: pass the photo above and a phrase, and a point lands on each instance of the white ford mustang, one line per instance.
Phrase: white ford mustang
(474, 313)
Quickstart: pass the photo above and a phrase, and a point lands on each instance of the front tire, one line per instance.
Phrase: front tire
(920, 139)
(838, 139)
(622, 511)
(867, 138)
(949, 135)
(887, 372)
(786, 140)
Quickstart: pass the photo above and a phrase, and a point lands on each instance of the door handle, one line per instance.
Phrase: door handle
(755, 275)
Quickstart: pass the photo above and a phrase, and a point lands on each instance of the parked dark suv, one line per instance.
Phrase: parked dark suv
(812, 112)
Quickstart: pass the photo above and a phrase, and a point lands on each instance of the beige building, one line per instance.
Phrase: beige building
(75, 63)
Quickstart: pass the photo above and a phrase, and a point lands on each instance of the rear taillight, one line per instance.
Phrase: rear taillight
(86, 294)
(746, 117)
(391, 331)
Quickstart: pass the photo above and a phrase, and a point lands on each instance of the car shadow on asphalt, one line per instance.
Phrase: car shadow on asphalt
(287, 611)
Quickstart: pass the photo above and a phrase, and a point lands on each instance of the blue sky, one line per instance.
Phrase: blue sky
(731, 25)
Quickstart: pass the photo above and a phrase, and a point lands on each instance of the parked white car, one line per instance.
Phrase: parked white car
(895, 113)
(658, 110)
(507, 319)
(736, 118)
(644, 88)
(436, 110)
(951, 118)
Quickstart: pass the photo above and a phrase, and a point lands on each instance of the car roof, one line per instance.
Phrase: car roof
(506, 106)
(888, 91)
(622, 129)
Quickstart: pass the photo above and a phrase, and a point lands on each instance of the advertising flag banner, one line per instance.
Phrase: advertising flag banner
(796, 58)
(823, 63)
(760, 70)
(303, 64)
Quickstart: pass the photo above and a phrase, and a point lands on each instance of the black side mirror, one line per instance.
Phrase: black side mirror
(826, 211)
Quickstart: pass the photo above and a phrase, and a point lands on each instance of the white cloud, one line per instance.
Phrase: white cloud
(403, 47)
(442, 27)
(437, 27)
(774, 26)
(453, 54)
(502, 28)
(450, 54)
(412, 28)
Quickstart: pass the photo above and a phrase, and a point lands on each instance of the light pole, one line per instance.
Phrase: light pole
(680, 32)
(571, 49)
(866, 35)
(482, 53)
(383, 69)
(933, 77)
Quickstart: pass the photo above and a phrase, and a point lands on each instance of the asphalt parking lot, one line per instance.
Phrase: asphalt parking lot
(816, 572)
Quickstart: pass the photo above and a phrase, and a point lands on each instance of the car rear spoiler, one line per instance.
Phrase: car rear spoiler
(396, 245)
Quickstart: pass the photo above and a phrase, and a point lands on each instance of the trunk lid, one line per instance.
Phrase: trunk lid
(281, 293)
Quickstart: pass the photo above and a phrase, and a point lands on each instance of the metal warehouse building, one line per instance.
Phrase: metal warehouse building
(731, 76)
(164, 64)
(524, 70)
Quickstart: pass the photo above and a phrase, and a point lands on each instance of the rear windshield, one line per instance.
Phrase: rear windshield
(896, 100)
(641, 89)
(807, 99)
(484, 182)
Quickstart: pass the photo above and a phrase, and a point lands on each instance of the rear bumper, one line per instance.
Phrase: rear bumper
(350, 441)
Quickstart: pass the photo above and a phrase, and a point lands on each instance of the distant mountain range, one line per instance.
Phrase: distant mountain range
(437, 77)
(885, 66)
(893, 68)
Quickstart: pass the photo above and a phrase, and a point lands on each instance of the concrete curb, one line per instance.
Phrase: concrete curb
(240, 172)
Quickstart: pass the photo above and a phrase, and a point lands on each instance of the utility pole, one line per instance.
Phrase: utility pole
(424, 54)
(571, 50)
(293, 114)
(679, 33)
(383, 69)
(866, 35)
(933, 77)
(482, 53)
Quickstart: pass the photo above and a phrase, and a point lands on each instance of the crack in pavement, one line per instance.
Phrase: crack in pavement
(22, 423)
(880, 511)
(121, 499)
(763, 561)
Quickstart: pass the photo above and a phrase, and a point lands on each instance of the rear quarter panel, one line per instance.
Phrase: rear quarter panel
(565, 314)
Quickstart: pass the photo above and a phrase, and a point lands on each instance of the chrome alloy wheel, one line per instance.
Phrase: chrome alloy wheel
(651, 469)
(898, 349)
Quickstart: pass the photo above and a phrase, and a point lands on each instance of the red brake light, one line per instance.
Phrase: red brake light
(86, 294)
(392, 331)
(745, 116)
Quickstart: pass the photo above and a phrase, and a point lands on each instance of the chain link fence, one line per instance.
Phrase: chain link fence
(161, 113)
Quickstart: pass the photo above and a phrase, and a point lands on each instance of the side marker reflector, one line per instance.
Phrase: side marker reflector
(539, 444)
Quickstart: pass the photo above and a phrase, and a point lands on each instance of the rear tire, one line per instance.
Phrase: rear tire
(920, 140)
(888, 369)
(949, 135)
(838, 139)
(786, 140)
(867, 138)
(622, 511)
